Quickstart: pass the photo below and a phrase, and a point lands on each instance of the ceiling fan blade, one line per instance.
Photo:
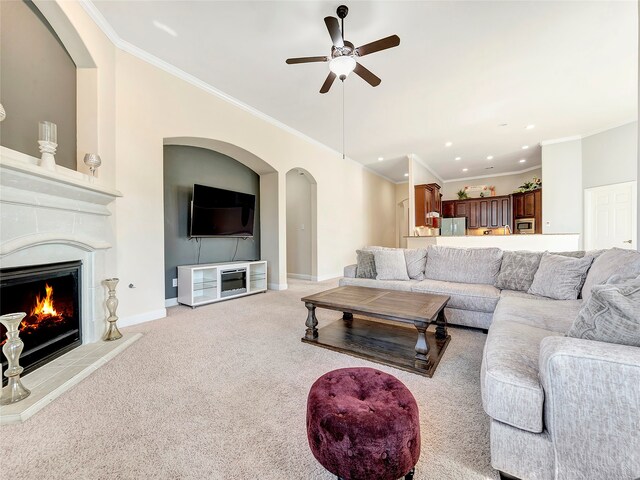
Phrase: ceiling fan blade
(292, 61)
(382, 44)
(366, 75)
(334, 30)
(328, 82)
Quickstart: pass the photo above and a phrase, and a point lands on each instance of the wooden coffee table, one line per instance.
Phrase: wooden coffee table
(383, 342)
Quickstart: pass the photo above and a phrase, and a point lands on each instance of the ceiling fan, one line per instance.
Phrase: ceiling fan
(344, 55)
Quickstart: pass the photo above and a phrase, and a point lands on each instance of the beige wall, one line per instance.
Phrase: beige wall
(140, 105)
(504, 184)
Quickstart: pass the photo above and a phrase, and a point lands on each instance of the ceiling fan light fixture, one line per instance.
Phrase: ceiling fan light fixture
(342, 66)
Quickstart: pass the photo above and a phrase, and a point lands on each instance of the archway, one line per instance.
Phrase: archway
(301, 225)
(272, 193)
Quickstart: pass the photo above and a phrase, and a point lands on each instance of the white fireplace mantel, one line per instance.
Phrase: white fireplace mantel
(24, 182)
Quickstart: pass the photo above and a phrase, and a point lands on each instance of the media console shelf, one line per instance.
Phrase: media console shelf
(213, 282)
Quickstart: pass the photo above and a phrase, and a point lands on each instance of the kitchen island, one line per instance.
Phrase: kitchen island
(559, 242)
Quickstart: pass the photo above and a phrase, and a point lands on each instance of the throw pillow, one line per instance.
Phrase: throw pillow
(463, 265)
(366, 267)
(560, 277)
(517, 270)
(611, 313)
(390, 265)
(611, 262)
(416, 260)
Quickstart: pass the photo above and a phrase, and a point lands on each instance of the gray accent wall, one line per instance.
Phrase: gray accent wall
(610, 157)
(184, 166)
(37, 82)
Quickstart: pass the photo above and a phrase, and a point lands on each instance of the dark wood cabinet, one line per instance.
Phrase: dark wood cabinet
(528, 205)
(448, 209)
(489, 212)
(428, 199)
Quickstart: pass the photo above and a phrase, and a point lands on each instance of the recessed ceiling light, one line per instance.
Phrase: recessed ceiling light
(524, 147)
(406, 174)
(458, 158)
(465, 169)
(448, 144)
(523, 160)
(529, 127)
(490, 157)
(380, 159)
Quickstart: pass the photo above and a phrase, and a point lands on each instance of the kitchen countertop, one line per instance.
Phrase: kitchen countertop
(553, 242)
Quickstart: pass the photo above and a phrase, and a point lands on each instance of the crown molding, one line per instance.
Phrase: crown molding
(145, 56)
(505, 174)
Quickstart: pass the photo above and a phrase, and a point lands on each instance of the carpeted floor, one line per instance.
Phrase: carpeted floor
(219, 392)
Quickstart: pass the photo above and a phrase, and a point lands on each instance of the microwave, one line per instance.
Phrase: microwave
(526, 225)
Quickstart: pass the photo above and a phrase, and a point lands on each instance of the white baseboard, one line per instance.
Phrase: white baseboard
(142, 317)
(277, 286)
(330, 276)
(299, 276)
(171, 302)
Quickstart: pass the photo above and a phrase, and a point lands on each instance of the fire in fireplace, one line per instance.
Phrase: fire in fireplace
(50, 296)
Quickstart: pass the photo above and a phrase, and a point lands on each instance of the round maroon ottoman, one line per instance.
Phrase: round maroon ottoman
(363, 424)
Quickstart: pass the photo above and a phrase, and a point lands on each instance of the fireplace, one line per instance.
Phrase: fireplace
(50, 296)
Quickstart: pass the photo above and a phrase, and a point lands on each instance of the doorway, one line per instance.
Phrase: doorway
(611, 216)
(301, 225)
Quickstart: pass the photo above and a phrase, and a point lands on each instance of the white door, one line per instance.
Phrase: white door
(610, 216)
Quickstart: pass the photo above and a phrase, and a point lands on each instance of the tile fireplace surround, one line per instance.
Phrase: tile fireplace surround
(59, 216)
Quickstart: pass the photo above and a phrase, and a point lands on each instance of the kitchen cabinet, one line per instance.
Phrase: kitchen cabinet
(528, 205)
(427, 199)
(489, 212)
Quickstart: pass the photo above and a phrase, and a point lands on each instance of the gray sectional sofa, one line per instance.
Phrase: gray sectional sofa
(561, 407)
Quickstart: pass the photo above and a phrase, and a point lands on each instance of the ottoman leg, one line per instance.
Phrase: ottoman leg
(409, 476)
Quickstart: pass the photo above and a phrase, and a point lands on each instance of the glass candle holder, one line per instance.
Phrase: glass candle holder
(48, 132)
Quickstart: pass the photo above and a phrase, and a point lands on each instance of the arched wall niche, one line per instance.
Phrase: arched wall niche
(302, 229)
(87, 120)
(272, 197)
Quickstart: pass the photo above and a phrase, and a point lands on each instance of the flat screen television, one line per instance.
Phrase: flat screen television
(221, 213)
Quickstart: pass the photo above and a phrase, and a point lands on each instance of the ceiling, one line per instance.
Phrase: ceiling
(471, 73)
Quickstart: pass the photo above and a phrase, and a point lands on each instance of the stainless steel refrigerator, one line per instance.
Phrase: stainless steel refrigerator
(453, 226)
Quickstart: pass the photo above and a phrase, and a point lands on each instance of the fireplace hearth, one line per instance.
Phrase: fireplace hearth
(50, 296)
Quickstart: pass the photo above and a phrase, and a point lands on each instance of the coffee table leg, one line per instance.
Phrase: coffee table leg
(422, 347)
(311, 323)
(441, 326)
(348, 318)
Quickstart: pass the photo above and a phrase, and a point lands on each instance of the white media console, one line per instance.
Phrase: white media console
(213, 282)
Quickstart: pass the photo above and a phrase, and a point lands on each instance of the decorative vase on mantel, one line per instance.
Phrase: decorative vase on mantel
(112, 332)
(14, 391)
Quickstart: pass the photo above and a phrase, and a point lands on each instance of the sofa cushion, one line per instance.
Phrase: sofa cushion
(416, 259)
(390, 265)
(465, 296)
(463, 265)
(400, 285)
(553, 315)
(560, 277)
(611, 314)
(511, 391)
(366, 264)
(609, 263)
(518, 269)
